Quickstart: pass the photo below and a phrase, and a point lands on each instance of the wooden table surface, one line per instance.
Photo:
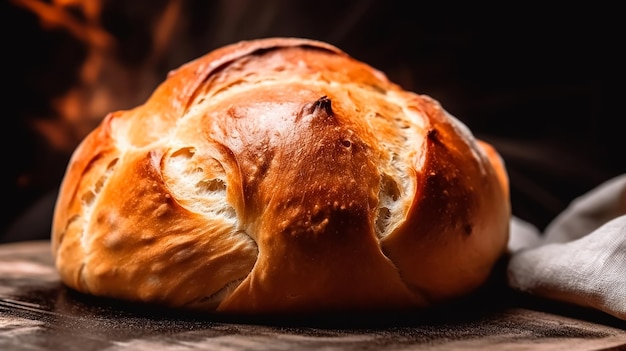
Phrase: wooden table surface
(38, 313)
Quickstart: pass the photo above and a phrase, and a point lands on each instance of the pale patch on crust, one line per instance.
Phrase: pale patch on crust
(199, 182)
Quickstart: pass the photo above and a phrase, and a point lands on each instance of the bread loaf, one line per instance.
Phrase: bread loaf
(281, 175)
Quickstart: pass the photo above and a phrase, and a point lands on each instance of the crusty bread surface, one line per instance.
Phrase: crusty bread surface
(281, 175)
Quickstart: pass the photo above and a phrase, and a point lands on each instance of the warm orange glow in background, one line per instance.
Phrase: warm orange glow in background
(104, 82)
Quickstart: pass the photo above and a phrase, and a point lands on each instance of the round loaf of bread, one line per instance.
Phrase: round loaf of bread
(281, 175)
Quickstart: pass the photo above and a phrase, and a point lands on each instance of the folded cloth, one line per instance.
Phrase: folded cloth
(581, 256)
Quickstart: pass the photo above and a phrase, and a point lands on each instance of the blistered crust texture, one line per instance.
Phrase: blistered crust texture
(281, 175)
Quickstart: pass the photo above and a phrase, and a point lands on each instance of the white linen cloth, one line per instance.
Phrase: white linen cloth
(580, 258)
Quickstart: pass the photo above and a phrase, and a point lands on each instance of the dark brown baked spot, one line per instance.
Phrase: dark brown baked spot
(433, 135)
(322, 107)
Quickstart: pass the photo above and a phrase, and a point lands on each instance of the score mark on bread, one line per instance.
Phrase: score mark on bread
(281, 175)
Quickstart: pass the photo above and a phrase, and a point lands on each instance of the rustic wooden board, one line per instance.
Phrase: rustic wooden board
(38, 313)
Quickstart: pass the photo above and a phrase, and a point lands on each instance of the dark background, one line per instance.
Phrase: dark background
(542, 85)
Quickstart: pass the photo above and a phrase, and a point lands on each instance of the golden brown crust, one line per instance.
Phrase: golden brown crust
(458, 216)
(281, 175)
